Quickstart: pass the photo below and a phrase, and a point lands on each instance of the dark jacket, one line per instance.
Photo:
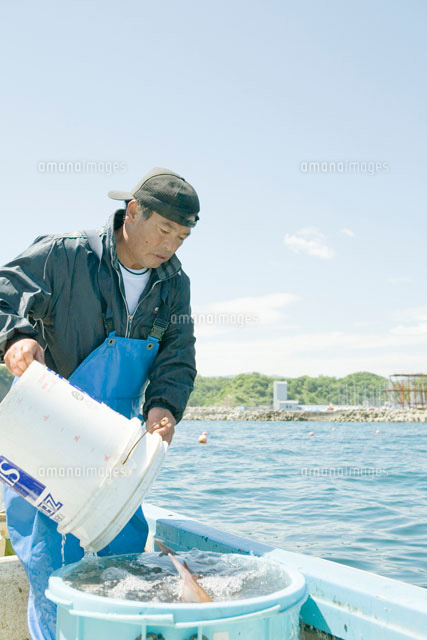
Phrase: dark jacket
(60, 294)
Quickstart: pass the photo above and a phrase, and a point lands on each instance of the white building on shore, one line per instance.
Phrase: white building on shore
(280, 393)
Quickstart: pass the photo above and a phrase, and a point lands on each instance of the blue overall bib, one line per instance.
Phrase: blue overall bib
(114, 373)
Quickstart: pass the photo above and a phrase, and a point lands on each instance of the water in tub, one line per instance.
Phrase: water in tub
(153, 577)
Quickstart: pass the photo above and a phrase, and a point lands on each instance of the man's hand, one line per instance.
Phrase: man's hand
(21, 354)
(162, 421)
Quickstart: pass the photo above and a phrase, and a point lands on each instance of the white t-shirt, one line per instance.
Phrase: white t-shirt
(134, 281)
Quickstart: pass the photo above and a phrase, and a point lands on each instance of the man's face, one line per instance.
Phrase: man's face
(151, 242)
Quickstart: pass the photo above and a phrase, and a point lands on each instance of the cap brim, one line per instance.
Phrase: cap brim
(121, 195)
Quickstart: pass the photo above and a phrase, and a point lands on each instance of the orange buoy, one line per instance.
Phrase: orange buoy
(311, 433)
(203, 439)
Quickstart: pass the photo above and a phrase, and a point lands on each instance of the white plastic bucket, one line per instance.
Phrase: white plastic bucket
(67, 454)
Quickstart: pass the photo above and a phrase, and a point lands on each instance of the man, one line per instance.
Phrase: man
(98, 308)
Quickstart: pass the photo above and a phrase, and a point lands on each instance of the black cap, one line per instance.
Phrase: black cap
(167, 193)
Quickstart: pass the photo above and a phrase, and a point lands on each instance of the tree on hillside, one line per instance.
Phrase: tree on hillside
(254, 389)
(247, 388)
(206, 391)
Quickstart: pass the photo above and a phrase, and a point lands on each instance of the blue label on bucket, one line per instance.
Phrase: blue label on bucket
(20, 480)
(50, 507)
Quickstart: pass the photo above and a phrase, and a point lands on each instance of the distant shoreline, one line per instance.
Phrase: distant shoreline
(355, 414)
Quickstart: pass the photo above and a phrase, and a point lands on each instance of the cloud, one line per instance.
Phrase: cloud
(411, 314)
(227, 315)
(399, 280)
(414, 330)
(268, 307)
(348, 232)
(413, 322)
(272, 346)
(309, 241)
(329, 353)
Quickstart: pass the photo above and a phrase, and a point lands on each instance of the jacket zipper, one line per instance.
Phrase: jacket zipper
(130, 316)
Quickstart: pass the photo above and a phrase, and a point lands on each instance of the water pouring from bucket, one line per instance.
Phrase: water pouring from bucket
(82, 464)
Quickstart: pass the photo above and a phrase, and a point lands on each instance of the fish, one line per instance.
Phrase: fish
(164, 549)
(191, 591)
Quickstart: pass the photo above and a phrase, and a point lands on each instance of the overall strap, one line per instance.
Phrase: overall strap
(160, 323)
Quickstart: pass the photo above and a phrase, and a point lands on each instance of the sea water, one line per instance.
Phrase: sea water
(347, 493)
(151, 577)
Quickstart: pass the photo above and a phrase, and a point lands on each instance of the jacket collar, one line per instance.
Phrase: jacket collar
(164, 272)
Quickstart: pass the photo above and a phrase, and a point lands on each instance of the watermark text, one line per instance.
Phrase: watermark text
(81, 167)
(343, 472)
(82, 472)
(363, 168)
(231, 319)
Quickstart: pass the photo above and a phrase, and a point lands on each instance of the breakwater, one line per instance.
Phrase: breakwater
(353, 414)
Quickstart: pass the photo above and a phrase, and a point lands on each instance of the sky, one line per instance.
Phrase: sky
(302, 125)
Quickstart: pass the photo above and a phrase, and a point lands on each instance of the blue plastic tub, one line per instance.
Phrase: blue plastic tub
(85, 616)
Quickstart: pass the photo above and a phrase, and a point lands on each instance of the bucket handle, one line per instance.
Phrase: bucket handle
(64, 603)
(137, 442)
(166, 619)
(264, 613)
